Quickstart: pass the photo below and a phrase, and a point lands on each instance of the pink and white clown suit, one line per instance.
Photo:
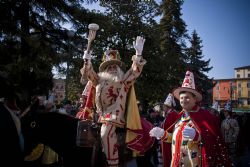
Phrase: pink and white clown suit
(111, 95)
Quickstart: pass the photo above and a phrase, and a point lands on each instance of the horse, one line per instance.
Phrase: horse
(59, 132)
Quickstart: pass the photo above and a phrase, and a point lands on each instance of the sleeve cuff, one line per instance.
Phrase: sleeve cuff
(138, 59)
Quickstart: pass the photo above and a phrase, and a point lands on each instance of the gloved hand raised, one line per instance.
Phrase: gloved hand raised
(157, 132)
(138, 45)
(189, 133)
(87, 55)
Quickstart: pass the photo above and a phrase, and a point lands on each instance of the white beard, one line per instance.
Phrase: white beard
(117, 77)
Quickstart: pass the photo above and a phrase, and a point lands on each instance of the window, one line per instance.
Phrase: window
(248, 93)
(248, 101)
(248, 75)
(248, 85)
(238, 75)
(239, 85)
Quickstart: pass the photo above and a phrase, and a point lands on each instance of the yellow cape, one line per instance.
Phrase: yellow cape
(133, 120)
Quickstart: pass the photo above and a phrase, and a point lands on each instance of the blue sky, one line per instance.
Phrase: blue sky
(224, 28)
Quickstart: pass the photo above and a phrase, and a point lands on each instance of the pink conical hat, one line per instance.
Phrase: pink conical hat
(188, 85)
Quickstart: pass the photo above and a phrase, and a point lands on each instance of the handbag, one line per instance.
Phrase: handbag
(87, 132)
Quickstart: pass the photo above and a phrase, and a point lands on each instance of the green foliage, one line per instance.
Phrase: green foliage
(173, 34)
(198, 66)
(125, 21)
(33, 41)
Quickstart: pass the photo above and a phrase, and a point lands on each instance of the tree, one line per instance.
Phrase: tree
(198, 66)
(172, 43)
(33, 40)
(126, 20)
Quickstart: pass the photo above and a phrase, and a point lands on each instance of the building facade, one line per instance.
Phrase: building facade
(59, 90)
(224, 90)
(243, 91)
(242, 72)
(235, 89)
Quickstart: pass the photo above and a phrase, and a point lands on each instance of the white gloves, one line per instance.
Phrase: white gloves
(87, 55)
(189, 133)
(157, 132)
(138, 45)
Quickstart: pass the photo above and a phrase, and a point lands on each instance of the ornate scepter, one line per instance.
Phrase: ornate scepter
(90, 92)
(93, 27)
(85, 137)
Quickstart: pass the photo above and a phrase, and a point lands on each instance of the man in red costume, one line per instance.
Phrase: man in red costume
(113, 85)
(194, 134)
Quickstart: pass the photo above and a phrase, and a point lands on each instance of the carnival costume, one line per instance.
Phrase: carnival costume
(194, 135)
(111, 98)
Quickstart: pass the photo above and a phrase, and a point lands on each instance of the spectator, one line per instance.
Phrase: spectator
(230, 131)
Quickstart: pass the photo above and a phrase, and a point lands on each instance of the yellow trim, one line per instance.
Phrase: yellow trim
(168, 138)
(35, 154)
